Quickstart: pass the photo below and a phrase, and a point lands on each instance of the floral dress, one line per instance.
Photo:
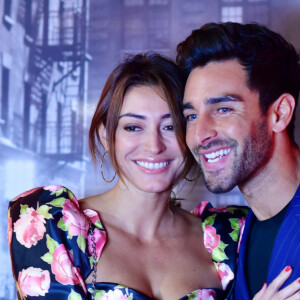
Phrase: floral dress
(52, 251)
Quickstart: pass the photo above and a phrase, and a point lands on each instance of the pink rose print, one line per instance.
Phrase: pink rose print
(53, 188)
(78, 224)
(30, 228)
(34, 282)
(9, 231)
(62, 266)
(25, 194)
(211, 238)
(205, 295)
(198, 210)
(100, 239)
(114, 295)
(242, 223)
(219, 210)
(91, 215)
(225, 273)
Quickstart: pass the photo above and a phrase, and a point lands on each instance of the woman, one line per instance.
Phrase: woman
(131, 242)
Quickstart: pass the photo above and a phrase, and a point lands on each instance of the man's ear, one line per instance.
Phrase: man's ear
(282, 112)
(103, 138)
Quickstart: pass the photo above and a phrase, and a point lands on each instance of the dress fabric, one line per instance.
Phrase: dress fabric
(51, 250)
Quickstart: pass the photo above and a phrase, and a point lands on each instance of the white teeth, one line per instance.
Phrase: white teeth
(152, 166)
(214, 160)
(215, 156)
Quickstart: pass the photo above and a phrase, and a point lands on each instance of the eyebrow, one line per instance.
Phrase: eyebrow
(141, 117)
(226, 98)
(188, 106)
(216, 100)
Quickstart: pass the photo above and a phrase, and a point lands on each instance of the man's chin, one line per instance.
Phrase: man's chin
(218, 188)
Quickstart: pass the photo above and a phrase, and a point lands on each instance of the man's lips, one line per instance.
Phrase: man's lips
(214, 156)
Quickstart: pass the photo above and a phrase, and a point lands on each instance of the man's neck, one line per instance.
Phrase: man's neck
(273, 186)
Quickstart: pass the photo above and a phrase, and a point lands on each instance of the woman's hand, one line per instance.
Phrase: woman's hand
(271, 292)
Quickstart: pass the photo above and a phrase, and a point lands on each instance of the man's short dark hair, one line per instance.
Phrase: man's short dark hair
(271, 63)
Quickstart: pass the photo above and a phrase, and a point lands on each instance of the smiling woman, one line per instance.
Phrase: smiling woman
(163, 78)
(131, 242)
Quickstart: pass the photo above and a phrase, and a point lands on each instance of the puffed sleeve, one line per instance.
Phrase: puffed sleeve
(223, 228)
(48, 241)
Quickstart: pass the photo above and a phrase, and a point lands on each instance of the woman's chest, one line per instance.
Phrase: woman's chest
(165, 269)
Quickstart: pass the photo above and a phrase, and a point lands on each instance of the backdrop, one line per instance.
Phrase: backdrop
(55, 57)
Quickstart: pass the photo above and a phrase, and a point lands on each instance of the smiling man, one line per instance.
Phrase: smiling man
(240, 97)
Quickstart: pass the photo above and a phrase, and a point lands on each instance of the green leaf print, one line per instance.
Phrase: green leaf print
(98, 294)
(43, 210)
(99, 225)
(59, 192)
(219, 253)
(23, 209)
(234, 223)
(192, 295)
(62, 225)
(210, 220)
(48, 257)
(58, 202)
(51, 244)
(232, 209)
(234, 235)
(74, 296)
(81, 242)
(119, 286)
(70, 195)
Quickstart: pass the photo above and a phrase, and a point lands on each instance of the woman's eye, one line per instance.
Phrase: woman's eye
(169, 127)
(132, 128)
(191, 117)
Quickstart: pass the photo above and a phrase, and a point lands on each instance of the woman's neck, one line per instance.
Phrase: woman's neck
(142, 214)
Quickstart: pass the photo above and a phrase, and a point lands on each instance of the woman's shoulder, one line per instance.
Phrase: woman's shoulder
(50, 202)
(44, 194)
(46, 202)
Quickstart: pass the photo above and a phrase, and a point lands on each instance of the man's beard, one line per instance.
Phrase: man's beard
(255, 153)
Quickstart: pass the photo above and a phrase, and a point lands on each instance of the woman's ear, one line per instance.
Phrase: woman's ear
(282, 112)
(103, 138)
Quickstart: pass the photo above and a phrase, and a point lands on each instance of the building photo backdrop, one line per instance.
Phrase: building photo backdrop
(55, 56)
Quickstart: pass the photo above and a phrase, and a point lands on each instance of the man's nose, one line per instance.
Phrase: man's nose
(204, 130)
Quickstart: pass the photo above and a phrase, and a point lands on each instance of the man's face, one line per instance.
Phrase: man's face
(226, 131)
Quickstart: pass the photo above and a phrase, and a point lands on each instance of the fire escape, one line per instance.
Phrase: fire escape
(57, 86)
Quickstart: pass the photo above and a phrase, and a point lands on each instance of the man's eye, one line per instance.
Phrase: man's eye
(191, 117)
(132, 128)
(224, 110)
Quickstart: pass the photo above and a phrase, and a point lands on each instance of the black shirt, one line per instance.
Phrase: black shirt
(259, 250)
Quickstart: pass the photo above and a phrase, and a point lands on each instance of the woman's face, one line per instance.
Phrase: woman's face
(147, 151)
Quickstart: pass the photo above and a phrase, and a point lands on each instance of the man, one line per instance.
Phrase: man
(240, 98)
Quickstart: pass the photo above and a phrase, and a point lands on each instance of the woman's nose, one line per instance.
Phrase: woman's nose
(154, 142)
